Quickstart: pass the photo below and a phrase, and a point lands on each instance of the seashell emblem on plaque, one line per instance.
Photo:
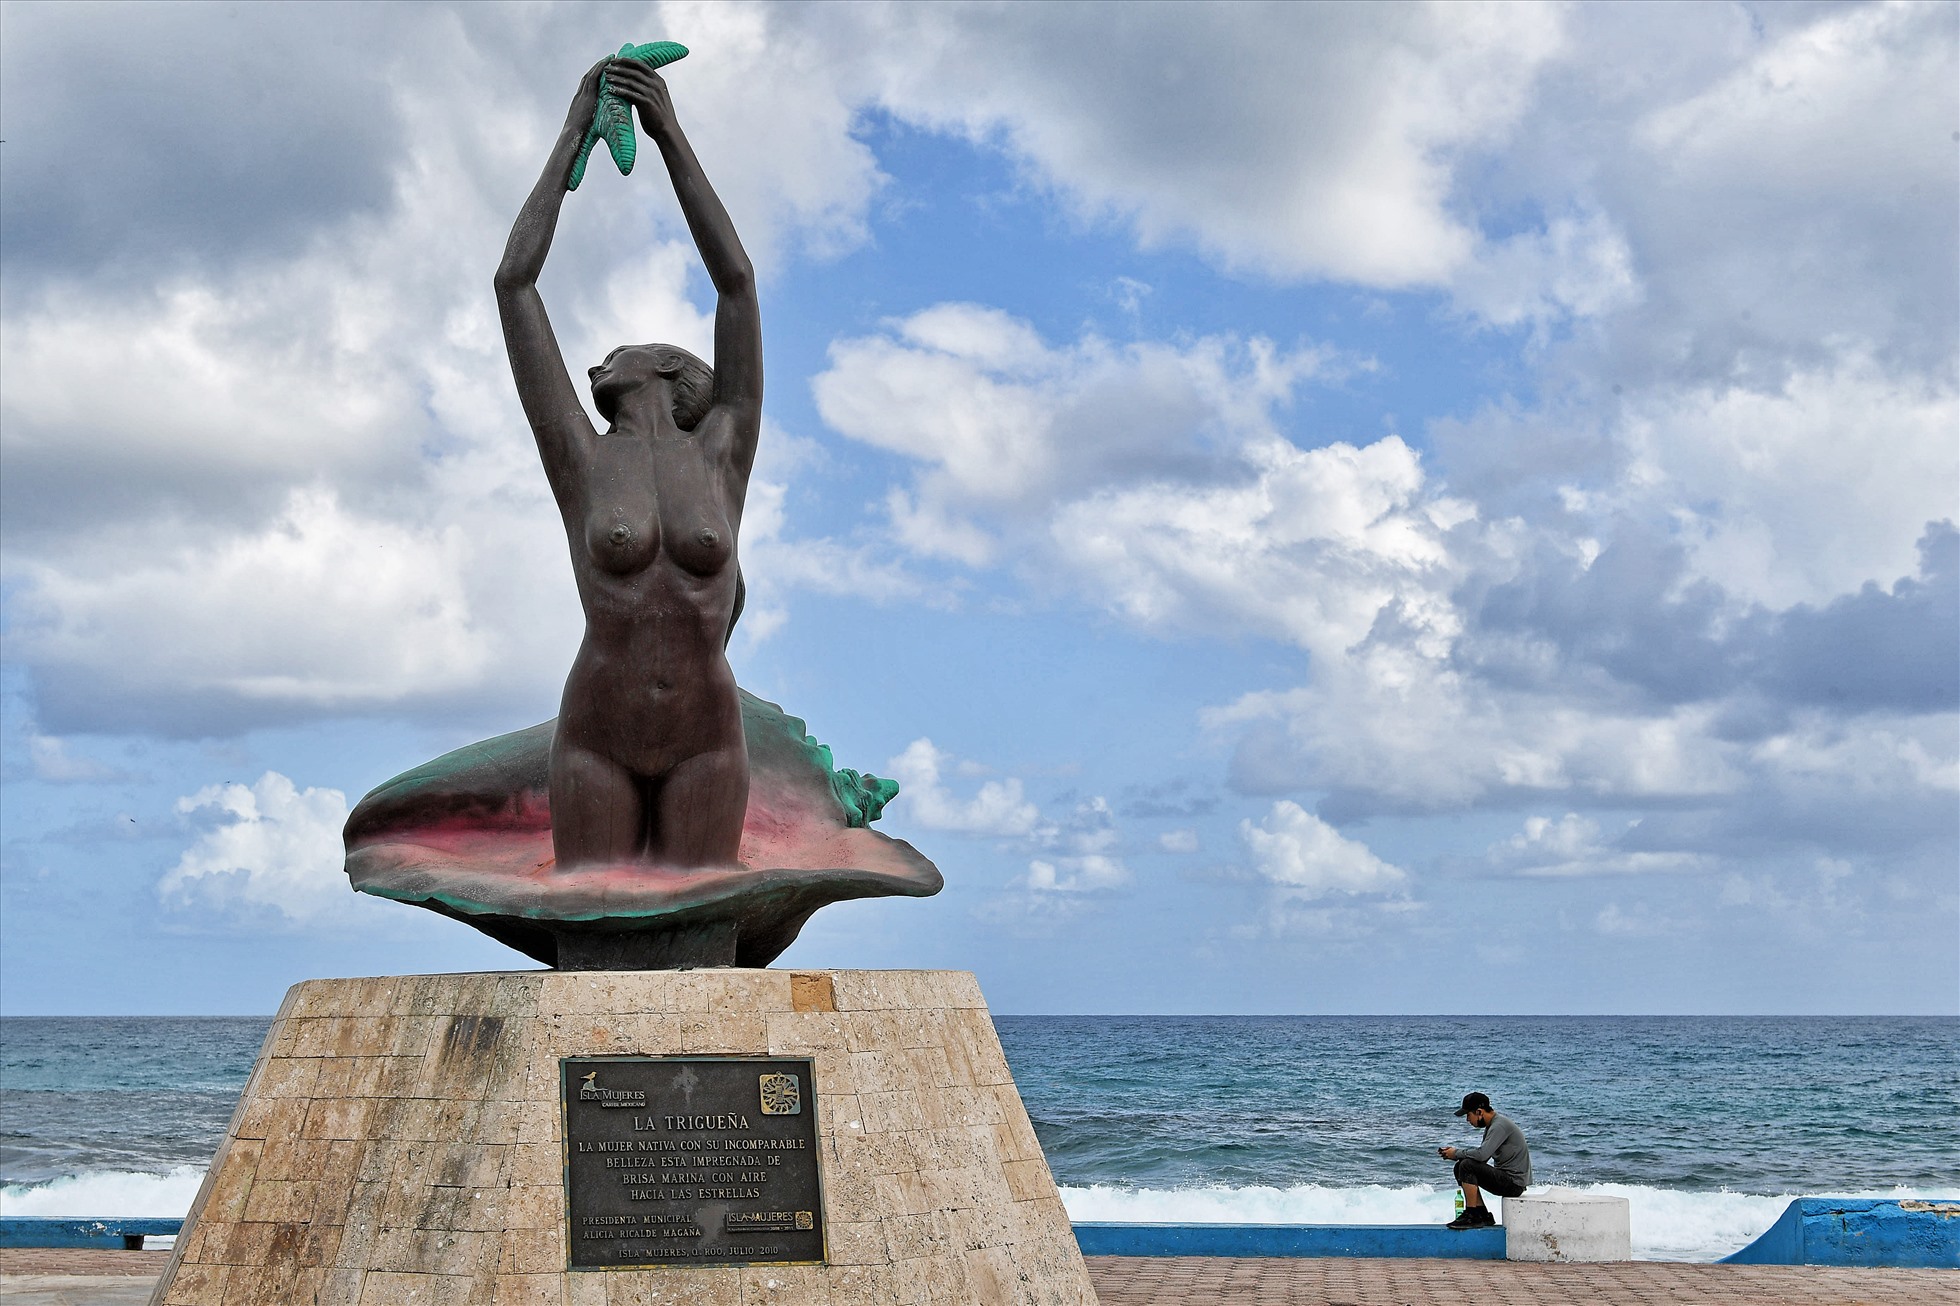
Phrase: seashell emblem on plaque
(691, 1161)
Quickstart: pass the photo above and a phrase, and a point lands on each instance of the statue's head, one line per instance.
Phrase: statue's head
(690, 382)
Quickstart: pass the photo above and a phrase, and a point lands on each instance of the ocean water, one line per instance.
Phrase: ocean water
(1709, 1125)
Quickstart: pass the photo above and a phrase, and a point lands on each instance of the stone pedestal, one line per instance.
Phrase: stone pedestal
(1557, 1224)
(401, 1141)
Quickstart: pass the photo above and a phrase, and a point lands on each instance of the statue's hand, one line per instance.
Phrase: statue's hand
(579, 116)
(644, 89)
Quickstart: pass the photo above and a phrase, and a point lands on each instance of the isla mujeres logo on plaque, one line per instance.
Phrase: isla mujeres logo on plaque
(589, 1091)
(782, 1095)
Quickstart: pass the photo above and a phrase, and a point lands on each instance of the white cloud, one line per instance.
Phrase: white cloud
(1802, 196)
(1178, 841)
(1150, 477)
(771, 116)
(1638, 921)
(1217, 524)
(1071, 861)
(1076, 868)
(776, 562)
(1900, 758)
(275, 855)
(1081, 853)
(1573, 845)
(1311, 548)
(1005, 425)
(1167, 494)
(1537, 161)
(54, 762)
(1308, 859)
(1805, 492)
(1822, 899)
(1085, 874)
(1575, 266)
(998, 809)
(201, 400)
(1325, 150)
(1699, 156)
(1414, 732)
(1426, 688)
(323, 607)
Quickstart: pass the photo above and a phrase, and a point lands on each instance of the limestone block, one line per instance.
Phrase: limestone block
(1558, 1224)
(401, 1140)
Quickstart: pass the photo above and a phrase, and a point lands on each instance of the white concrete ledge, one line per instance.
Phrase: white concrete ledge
(1557, 1224)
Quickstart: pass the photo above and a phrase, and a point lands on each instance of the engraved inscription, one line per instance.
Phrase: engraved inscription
(711, 1161)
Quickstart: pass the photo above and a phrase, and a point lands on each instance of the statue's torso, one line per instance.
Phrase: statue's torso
(652, 534)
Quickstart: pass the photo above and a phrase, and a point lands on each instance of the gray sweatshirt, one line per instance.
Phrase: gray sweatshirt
(1505, 1150)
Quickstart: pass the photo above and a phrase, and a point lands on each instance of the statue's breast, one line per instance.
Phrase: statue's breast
(620, 540)
(622, 519)
(703, 544)
(694, 509)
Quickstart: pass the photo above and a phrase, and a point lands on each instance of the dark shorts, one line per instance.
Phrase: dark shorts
(1482, 1175)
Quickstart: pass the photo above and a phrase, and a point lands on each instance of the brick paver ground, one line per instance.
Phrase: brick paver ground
(40, 1276)
(33, 1276)
(1352, 1281)
(75, 1290)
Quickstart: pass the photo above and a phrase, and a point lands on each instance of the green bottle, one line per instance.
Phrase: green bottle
(1459, 1201)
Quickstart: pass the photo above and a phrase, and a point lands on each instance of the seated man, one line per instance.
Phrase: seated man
(1502, 1165)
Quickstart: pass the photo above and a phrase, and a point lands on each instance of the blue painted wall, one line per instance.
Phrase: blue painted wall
(1839, 1231)
(25, 1231)
(1290, 1240)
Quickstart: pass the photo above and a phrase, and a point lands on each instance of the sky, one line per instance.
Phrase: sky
(1323, 508)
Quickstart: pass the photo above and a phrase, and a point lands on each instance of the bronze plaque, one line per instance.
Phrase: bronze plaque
(691, 1161)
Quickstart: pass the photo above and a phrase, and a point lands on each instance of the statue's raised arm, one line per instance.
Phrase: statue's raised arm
(738, 320)
(544, 387)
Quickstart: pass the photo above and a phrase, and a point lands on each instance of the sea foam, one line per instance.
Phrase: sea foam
(103, 1193)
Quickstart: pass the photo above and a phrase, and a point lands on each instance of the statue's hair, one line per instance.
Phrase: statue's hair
(694, 388)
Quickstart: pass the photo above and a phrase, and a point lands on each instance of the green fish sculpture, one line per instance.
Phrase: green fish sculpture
(612, 121)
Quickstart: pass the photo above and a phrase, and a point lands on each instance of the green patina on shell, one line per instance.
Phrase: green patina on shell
(862, 795)
(612, 121)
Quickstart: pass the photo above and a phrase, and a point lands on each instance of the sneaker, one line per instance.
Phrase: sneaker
(1473, 1217)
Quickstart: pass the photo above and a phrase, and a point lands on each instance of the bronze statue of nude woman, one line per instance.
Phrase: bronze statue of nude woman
(667, 818)
(648, 764)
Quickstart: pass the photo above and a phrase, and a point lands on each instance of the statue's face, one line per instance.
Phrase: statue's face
(625, 370)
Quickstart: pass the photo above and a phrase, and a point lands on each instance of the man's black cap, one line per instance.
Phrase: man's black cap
(1473, 1102)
